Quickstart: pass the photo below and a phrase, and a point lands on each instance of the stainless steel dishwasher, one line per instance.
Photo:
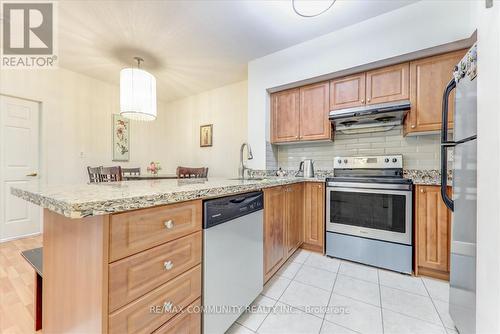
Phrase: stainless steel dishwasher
(232, 258)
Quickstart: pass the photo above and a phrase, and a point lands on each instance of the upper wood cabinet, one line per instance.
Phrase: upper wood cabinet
(285, 117)
(432, 233)
(428, 79)
(301, 114)
(294, 213)
(314, 216)
(348, 92)
(274, 230)
(387, 84)
(314, 110)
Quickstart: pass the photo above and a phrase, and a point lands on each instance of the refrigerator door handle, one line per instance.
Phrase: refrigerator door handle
(445, 144)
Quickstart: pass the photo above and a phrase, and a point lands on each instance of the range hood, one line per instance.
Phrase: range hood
(370, 116)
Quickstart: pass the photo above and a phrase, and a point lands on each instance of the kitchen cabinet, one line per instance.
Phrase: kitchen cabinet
(274, 230)
(314, 110)
(285, 116)
(428, 79)
(283, 225)
(348, 92)
(301, 114)
(294, 216)
(432, 233)
(381, 85)
(314, 216)
(387, 84)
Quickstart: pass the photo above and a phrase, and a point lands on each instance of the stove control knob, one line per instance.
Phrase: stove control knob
(386, 160)
(345, 161)
(339, 161)
(394, 160)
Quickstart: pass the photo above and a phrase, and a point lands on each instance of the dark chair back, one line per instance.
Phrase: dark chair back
(94, 174)
(111, 174)
(136, 171)
(188, 172)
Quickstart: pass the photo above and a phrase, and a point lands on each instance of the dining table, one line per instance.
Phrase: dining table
(149, 177)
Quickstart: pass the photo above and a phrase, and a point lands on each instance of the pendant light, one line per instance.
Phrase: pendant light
(311, 8)
(137, 93)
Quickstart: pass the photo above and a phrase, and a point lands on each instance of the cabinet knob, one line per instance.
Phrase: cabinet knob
(368, 99)
(168, 265)
(362, 100)
(169, 224)
(413, 126)
(167, 306)
(421, 190)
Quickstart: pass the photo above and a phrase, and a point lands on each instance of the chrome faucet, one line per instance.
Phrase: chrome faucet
(243, 168)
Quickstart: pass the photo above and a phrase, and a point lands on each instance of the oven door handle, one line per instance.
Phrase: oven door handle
(358, 185)
(371, 191)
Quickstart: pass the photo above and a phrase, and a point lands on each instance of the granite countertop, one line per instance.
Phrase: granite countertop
(82, 200)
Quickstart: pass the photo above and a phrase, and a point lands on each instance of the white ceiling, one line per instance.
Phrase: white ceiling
(191, 46)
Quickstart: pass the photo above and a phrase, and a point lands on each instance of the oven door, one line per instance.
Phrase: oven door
(368, 210)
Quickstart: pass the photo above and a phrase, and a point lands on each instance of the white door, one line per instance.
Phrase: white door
(19, 160)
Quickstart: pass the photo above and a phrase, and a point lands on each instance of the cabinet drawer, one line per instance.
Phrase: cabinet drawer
(187, 322)
(138, 274)
(132, 232)
(147, 313)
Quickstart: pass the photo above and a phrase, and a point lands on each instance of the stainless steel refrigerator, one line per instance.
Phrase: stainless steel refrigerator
(462, 302)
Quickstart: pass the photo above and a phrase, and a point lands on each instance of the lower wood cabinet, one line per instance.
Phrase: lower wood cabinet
(432, 233)
(283, 221)
(293, 214)
(314, 216)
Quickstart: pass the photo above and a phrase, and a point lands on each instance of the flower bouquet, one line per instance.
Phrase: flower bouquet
(154, 167)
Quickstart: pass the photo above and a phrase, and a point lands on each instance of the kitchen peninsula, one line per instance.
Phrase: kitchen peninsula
(104, 249)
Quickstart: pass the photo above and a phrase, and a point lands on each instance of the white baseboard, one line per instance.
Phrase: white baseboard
(20, 237)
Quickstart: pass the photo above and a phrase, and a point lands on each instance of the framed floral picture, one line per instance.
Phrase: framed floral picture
(121, 138)
(206, 135)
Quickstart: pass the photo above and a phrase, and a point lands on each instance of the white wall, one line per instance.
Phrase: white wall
(226, 109)
(488, 171)
(76, 125)
(412, 28)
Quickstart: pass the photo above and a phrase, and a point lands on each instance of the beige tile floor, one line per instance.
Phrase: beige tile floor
(316, 294)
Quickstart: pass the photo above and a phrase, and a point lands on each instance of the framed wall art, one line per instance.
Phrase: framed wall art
(206, 135)
(121, 138)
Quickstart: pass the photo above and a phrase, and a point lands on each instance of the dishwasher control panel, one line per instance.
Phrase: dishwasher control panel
(221, 210)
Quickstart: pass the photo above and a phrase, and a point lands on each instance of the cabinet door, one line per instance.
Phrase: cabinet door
(347, 92)
(428, 79)
(314, 122)
(314, 216)
(432, 239)
(388, 84)
(285, 116)
(274, 230)
(294, 216)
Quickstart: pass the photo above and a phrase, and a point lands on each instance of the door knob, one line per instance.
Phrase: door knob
(32, 174)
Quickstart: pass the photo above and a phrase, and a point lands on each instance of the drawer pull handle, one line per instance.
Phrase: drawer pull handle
(168, 265)
(169, 224)
(167, 306)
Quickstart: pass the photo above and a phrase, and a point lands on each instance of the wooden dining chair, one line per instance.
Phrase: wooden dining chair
(94, 174)
(135, 171)
(111, 174)
(188, 172)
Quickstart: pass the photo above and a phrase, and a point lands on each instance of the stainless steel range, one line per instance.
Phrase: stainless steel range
(369, 212)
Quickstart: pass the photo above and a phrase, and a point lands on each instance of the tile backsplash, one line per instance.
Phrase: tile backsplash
(419, 152)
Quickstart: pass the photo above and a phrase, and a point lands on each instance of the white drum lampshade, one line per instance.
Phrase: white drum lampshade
(137, 94)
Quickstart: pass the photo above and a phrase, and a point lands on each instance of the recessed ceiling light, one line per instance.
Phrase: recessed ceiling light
(311, 8)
